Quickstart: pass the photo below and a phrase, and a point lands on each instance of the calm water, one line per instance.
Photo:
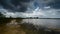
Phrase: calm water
(51, 23)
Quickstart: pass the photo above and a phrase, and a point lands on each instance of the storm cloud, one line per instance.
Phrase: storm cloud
(15, 5)
(23, 5)
(30, 8)
(55, 4)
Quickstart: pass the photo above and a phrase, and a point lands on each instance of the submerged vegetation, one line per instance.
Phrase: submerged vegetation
(23, 28)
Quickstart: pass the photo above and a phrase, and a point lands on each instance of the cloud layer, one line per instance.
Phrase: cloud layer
(30, 8)
(15, 5)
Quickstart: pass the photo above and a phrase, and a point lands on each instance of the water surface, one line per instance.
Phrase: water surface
(53, 23)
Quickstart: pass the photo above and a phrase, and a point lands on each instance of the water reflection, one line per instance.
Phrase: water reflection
(51, 23)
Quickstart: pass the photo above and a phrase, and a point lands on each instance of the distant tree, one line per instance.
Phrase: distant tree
(1, 15)
(10, 17)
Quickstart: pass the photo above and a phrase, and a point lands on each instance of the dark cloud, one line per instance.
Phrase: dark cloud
(55, 4)
(22, 5)
(15, 5)
(31, 8)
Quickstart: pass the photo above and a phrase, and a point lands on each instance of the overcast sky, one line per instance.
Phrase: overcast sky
(30, 8)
